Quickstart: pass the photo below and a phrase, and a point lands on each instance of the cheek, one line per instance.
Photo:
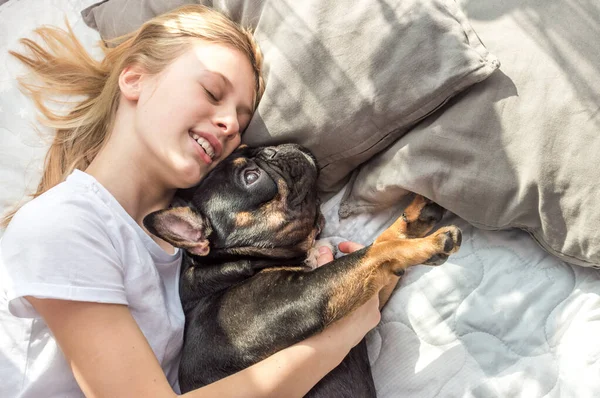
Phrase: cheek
(162, 106)
(152, 116)
(231, 145)
(237, 140)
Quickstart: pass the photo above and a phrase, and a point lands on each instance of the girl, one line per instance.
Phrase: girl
(89, 298)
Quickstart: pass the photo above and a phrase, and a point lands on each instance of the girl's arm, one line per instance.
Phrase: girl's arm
(295, 370)
(110, 356)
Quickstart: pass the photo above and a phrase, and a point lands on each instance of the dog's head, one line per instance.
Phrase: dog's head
(258, 202)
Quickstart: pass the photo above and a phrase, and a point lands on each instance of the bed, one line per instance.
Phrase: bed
(489, 108)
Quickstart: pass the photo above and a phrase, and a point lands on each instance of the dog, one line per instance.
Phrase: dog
(246, 288)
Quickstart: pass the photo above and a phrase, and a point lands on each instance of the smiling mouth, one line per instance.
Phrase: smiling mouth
(204, 144)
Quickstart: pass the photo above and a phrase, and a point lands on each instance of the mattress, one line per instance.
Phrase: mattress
(501, 318)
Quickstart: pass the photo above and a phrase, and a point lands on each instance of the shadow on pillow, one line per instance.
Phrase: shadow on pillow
(343, 78)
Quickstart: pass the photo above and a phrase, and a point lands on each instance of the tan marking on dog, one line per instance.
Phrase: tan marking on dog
(275, 219)
(283, 189)
(293, 269)
(413, 210)
(395, 231)
(273, 212)
(189, 273)
(244, 219)
(354, 289)
(240, 162)
(278, 203)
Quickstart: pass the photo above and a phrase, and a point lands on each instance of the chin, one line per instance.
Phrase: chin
(190, 177)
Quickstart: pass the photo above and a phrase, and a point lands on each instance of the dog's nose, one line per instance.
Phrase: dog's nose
(269, 152)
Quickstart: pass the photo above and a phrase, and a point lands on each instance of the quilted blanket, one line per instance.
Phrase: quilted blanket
(501, 318)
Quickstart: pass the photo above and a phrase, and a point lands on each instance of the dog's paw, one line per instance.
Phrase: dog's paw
(421, 216)
(431, 213)
(449, 240)
(313, 254)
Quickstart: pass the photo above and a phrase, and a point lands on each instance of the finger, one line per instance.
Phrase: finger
(349, 247)
(325, 256)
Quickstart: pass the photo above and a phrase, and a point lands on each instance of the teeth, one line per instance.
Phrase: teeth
(210, 151)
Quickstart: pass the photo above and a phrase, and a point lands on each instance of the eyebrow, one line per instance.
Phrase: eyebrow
(243, 108)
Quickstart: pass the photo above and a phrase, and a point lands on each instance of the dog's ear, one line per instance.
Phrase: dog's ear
(181, 227)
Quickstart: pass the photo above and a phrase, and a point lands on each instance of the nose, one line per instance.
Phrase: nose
(227, 122)
(269, 152)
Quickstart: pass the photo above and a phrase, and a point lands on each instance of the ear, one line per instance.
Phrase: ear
(182, 227)
(130, 81)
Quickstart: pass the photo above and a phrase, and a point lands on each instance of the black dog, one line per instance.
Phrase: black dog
(245, 288)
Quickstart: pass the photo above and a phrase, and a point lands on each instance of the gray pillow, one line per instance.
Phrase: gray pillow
(344, 78)
(520, 149)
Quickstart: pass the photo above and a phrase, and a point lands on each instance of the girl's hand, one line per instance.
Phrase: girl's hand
(353, 327)
(349, 247)
(325, 255)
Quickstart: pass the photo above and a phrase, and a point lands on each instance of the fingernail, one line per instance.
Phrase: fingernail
(323, 250)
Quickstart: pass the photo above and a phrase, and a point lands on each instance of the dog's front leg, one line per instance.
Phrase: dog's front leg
(381, 264)
(279, 307)
(417, 220)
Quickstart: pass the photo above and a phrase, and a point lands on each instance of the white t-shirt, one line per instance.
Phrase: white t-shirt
(76, 242)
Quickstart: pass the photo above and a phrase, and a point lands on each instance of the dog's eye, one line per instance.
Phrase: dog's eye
(251, 176)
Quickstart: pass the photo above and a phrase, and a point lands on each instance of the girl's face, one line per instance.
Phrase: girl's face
(192, 114)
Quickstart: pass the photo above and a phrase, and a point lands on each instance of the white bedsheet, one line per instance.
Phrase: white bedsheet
(501, 318)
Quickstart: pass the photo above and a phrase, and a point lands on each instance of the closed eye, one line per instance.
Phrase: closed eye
(211, 95)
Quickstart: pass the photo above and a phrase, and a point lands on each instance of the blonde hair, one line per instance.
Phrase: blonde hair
(65, 68)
